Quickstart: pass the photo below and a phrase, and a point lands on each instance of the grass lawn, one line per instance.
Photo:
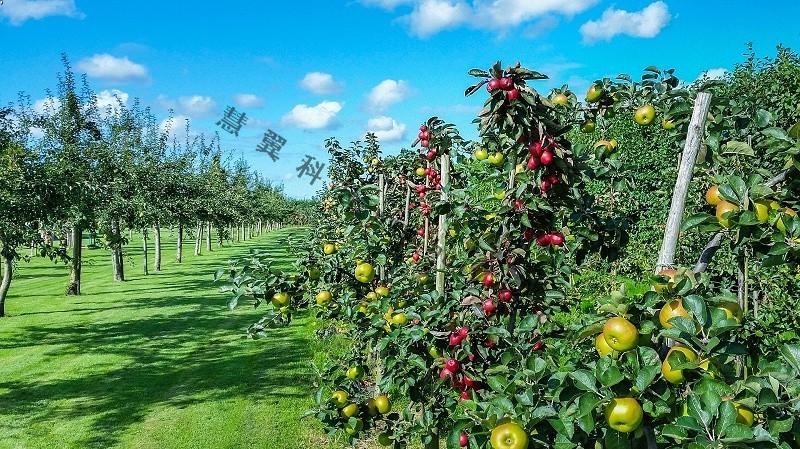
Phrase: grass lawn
(155, 362)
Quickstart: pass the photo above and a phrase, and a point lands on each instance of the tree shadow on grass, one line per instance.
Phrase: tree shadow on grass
(174, 360)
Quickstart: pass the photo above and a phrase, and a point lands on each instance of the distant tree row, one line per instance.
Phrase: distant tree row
(75, 167)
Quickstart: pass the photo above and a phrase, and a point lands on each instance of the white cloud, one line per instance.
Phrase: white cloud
(387, 93)
(166, 102)
(288, 176)
(432, 16)
(429, 17)
(510, 13)
(248, 101)
(714, 74)
(320, 83)
(321, 116)
(19, 11)
(110, 99)
(197, 106)
(385, 4)
(645, 23)
(112, 69)
(174, 126)
(386, 129)
(45, 105)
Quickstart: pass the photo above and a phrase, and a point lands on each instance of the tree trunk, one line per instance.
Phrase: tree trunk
(116, 252)
(157, 243)
(8, 271)
(198, 239)
(179, 252)
(75, 272)
(144, 251)
(208, 236)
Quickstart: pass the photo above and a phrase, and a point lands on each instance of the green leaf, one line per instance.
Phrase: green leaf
(791, 353)
(735, 147)
(794, 131)
(497, 383)
(726, 417)
(763, 118)
(696, 220)
(649, 368)
(584, 380)
(675, 432)
(696, 305)
(616, 440)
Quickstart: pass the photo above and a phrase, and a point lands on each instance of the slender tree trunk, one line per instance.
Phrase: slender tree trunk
(144, 251)
(208, 236)
(157, 243)
(116, 252)
(179, 252)
(198, 239)
(8, 271)
(75, 272)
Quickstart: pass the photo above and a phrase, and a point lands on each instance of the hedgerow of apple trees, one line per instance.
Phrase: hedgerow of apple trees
(493, 356)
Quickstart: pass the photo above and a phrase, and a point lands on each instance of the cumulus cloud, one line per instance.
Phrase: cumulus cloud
(321, 116)
(174, 126)
(46, 105)
(646, 23)
(248, 101)
(113, 69)
(714, 74)
(429, 17)
(111, 98)
(197, 106)
(387, 93)
(320, 83)
(18, 12)
(385, 4)
(432, 16)
(386, 129)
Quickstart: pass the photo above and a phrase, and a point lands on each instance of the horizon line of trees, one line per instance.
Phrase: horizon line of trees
(76, 167)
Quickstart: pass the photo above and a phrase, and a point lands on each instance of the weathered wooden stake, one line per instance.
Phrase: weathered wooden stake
(441, 248)
(694, 138)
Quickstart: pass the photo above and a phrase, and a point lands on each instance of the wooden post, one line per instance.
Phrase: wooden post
(381, 200)
(694, 139)
(441, 248)
(408, 208)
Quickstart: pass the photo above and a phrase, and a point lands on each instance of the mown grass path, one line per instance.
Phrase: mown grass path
(155, 362)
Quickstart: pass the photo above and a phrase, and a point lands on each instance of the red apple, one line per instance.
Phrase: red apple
(543, 240)
(493, 85)
(538, 345)
(545, 186)
(529, 234)
(445, 373)
(505, 295)
(488, 279)
(547, 158)
(506, 83)
(452, 365)
(489, 307)
(557, 239)
(535, 148)
(464, 396)
(463, 331)
(463, 439)
(423, 128)
(513, 94)
(533, 163)
(455, 339)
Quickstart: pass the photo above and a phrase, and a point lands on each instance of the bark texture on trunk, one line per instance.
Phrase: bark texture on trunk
(8, 271)
(144, 251)
(198, 239)
(75, 271)
(116, 252)
(157, 245)
(208, 236)
(179, 249)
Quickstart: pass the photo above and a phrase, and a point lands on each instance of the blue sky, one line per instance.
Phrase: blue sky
(310, 70)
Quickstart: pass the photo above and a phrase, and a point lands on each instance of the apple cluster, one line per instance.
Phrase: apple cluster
(505, 84)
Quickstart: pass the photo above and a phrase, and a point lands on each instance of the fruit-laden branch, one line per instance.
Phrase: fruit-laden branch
(715, 242)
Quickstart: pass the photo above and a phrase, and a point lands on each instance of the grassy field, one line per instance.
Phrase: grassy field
(155, 362)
